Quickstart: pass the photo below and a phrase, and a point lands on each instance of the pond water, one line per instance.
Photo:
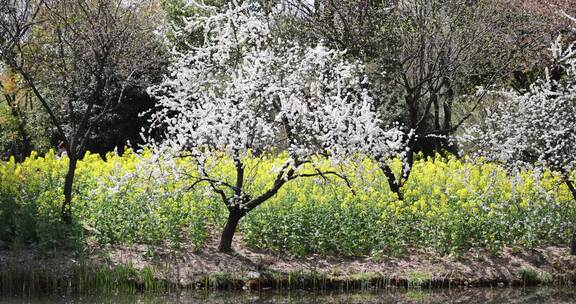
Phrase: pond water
(480, 295)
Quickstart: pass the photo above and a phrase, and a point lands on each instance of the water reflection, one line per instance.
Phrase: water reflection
(492, 296)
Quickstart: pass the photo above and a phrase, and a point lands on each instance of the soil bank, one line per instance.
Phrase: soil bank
(143, 267)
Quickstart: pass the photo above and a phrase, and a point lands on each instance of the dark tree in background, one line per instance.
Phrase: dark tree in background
(425, 59)
(122, 128)
(79, 58)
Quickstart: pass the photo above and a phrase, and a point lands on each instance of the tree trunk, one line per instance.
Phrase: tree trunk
(66, 211)
(573, 242)
(572, 189)
(438, 144)
(394, 183)
(234, 217)
(26, 143)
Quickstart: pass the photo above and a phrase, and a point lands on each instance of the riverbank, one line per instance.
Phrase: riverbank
(158, 268)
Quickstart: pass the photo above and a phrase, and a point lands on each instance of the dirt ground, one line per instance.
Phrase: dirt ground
(185, 265)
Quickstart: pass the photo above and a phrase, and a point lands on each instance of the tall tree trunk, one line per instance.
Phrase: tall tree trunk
(450, 145)
(393, 182)
(570, 185)
(438, 144)
(66, 211)
(573, 242)
(26, 142)
(234, 217)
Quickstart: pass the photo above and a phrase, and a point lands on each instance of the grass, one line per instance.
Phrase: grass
(419, 279)
(530, 276)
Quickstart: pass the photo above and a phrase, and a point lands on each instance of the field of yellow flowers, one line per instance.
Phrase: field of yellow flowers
(449, 206)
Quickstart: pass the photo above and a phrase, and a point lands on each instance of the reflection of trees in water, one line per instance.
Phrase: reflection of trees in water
(474, 295)
(412, 296)
(489, 295)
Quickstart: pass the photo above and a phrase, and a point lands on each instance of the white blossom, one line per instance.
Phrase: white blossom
(244, 92)
(536, 128)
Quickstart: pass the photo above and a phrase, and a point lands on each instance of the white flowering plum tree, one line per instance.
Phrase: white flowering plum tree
(536, 129)
(242, 95)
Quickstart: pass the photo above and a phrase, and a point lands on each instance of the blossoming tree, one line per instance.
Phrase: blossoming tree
(243, 94)
(537, 128)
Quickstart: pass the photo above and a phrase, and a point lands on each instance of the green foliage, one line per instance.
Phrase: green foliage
(30, 203)
(36, 127)
(126, 210)
(175, 14)
(419, 279)
(139, 209)
(450, 206)
(8, 127)
(531, 276)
